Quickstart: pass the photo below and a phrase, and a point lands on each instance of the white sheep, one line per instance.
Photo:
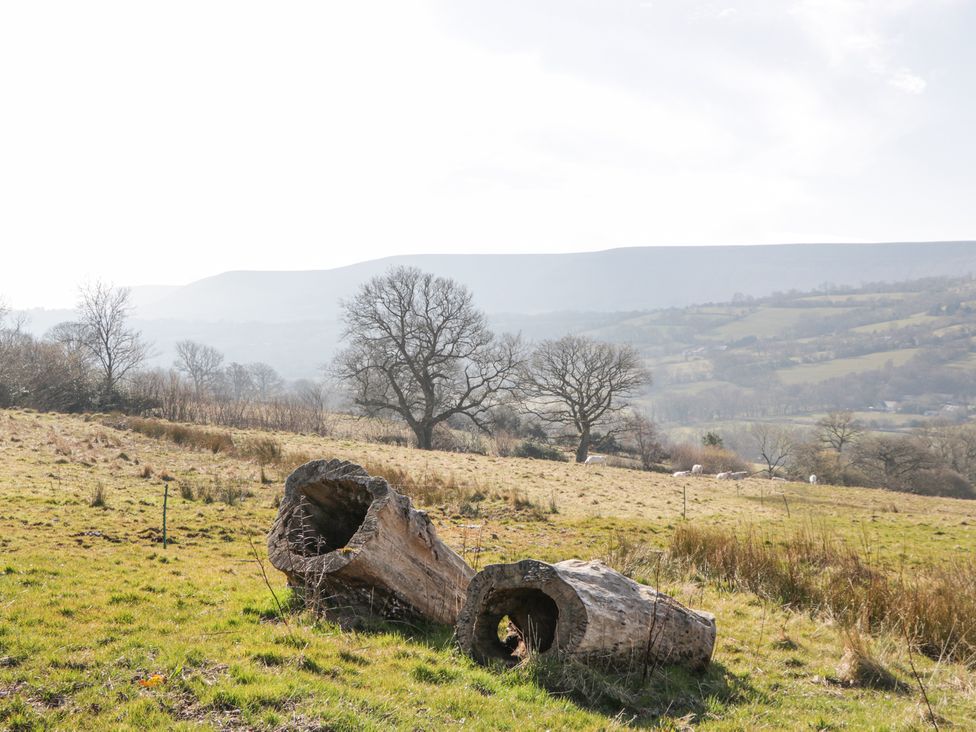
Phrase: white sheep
(813, 480)
(596, 460)
(681, 474)
(696, 469)
(723, 476)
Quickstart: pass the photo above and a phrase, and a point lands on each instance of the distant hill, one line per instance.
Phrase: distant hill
(639, 278)
(291, 319)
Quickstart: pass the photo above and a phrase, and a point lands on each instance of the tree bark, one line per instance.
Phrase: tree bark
(584, 447)
(582, 610)
(354, 546)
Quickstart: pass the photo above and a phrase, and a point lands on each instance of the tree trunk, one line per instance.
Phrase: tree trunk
(584, 447)
(355, 546)
(581, 610)
(425, 436)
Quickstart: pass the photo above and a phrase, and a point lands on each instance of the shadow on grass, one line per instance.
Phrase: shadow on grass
(668, 694)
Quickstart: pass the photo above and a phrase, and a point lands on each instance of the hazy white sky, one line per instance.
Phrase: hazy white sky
(157, 143)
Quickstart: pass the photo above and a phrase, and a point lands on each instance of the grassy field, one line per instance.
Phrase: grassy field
(769, 321)
(813, 372)
(103, 628)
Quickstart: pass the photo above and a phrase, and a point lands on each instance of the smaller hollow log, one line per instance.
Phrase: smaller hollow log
(583, 610)
(354, 546)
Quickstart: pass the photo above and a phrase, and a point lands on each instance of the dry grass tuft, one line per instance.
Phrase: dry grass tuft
(860, 668)
(99, 496)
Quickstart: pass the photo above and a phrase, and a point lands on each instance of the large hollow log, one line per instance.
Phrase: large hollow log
(354, 546)
(582, 610)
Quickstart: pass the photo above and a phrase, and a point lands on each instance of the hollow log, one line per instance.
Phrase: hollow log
(583, 610)
(354, 546)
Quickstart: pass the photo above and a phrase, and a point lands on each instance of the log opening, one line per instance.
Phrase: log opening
(328, 515)
(515, 622)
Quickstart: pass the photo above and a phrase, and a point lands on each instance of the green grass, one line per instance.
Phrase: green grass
(91, 604)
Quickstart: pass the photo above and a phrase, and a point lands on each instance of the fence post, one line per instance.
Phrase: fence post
(165, 501)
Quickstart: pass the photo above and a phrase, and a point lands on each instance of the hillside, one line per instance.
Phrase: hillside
(91, 604)
(900, 353)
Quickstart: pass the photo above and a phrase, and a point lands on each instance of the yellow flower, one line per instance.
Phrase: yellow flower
(152, 682)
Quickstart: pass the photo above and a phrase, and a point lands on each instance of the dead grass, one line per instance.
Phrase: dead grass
(809, 569)
(859, 666)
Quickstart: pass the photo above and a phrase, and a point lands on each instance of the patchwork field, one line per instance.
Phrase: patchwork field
(102, 627)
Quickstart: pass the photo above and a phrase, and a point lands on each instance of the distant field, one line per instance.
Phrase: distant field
(91, 604)
(769, 321)
(856, 299)
(806, 373)
(913, 321)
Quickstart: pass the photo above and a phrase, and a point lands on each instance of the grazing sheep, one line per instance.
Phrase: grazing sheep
(813, 480)
(681, 474)
(696, 469)
(596, 460)
(723, 476)
(740, 475)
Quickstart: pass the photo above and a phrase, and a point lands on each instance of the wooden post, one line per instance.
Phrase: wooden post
(583, 610)
(165, 501)
(684, 501)
(354, 547)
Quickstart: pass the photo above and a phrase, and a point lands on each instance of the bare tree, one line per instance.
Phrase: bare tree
(200, 363)
(116, 348)
(418, 348)
(839, 430)
(267, 382)
(582, 384)
(647, 439)
(893, 461)
(774, 445)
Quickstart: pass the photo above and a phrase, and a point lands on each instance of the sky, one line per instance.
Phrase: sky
(158, 143)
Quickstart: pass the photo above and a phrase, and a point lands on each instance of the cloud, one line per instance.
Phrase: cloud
(862, 35)
(907, 82)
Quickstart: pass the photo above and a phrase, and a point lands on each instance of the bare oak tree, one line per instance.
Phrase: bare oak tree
(418, 348)
(774, 444)
(581, 383)
(104, 332)
(200, 363)
(839, 430)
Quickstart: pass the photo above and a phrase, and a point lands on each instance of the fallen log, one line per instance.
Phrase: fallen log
(583, 610)
(353, 546)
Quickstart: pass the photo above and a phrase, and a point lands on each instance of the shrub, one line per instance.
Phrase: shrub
(712, 459)
(538, 451)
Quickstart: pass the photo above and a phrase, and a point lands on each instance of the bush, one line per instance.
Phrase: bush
(942, 482)
(538, 451)
(712, 459)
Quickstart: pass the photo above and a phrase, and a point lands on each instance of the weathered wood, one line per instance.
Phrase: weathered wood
(355, 546)
(579, 609)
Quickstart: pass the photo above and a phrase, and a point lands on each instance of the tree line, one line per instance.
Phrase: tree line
(416, 349)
